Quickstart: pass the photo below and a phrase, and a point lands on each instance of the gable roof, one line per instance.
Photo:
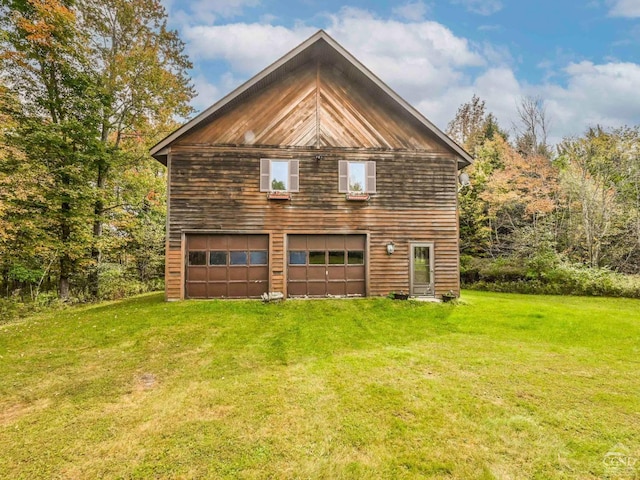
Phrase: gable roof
(317, 42)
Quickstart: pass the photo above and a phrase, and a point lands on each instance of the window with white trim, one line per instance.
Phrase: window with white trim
(279, 176)
(356, 178)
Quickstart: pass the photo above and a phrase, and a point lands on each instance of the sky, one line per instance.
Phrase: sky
(582, 58)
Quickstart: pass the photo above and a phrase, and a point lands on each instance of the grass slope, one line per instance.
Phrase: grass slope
(501, 386)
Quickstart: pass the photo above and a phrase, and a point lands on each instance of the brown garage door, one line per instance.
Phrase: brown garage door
(325, 265)
(227, 266)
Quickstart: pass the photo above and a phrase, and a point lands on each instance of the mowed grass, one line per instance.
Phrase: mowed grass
(499, 386)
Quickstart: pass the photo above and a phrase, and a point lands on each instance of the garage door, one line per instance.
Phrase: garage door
(227, 266)
(325, 265)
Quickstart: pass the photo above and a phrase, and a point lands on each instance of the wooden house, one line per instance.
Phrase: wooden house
(312, 179)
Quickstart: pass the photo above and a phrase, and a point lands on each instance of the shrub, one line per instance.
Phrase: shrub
(546, 274)
(116, 283)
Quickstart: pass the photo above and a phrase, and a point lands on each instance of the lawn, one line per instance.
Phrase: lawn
(498, 386)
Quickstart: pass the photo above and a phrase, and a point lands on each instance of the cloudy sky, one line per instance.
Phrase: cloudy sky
(581, 57)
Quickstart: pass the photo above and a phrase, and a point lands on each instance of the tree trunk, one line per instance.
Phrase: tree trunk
(96, 253)
(65, 259)
(63, 283)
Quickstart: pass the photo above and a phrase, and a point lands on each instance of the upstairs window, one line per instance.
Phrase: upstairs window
(356, 179)
(279, 177)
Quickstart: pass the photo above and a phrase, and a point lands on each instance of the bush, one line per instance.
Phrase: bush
(546, 275)
(117, 283)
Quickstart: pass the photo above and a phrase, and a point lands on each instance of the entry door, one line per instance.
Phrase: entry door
(422, 269)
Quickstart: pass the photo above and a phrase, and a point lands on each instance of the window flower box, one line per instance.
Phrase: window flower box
(358, 197)
(279, 196)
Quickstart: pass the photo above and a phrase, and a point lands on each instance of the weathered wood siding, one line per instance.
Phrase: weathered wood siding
(214, 189)
(316, 110)
(316, 105)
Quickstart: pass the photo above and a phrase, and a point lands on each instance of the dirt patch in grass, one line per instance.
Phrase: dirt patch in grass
(12, 413)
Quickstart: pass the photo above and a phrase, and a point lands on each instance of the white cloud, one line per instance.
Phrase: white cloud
(413, 58)
(481, 7)
(604, 94)
(428, 65)
(208, 93)
(247, 48)
(413, 11)
(625, 8)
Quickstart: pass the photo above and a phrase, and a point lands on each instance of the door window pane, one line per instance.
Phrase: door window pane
(356, 258)
(238, 258)
(421, 265)
(279, 180)
(316, 258)
(197, 258)
(297, 258)
(336, 258)
(217, 258)
(258, 257)
(357, 177)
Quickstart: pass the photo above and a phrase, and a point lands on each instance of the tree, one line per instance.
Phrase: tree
(143, 78)
(600, 179)
(520, 195)
(533, 129)
(88, 76)
(467, 127)
(46, 65)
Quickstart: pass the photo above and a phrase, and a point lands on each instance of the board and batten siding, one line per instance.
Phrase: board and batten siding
(217, 189)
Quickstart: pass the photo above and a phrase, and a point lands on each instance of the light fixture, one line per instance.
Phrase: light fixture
(390, 248)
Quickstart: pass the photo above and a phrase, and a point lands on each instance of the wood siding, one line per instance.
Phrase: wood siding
(317, 105)
(216, 189)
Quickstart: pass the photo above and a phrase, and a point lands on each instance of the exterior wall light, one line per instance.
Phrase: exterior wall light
(390, 248)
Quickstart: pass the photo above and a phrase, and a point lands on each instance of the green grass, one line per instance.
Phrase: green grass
(499, 386)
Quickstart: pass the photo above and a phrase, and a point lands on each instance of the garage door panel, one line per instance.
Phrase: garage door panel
(297, 273)
(335, 273)
(227, 271)
(197, 243)
(317, 289)
(297, 242)
(198, 274)
(337, 288)
(238, 242)
(257, 289)
(335, 242)
(258, 273)
(217, 274)
(356, 288)
(197, 290)
(316, 242)
(321, 265)
(238, 273)
(238, 290)
(258, 242)
(297, 289)
(316, 273)
(218, 242)
(356, 273)
(355, 242)
(217, 290)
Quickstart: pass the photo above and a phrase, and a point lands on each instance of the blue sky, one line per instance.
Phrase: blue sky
(582, 58)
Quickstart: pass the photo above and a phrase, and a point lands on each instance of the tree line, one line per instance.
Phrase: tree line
(86, 88)
(532, 207)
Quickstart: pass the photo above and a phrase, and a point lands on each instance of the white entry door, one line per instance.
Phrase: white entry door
(422, 269)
